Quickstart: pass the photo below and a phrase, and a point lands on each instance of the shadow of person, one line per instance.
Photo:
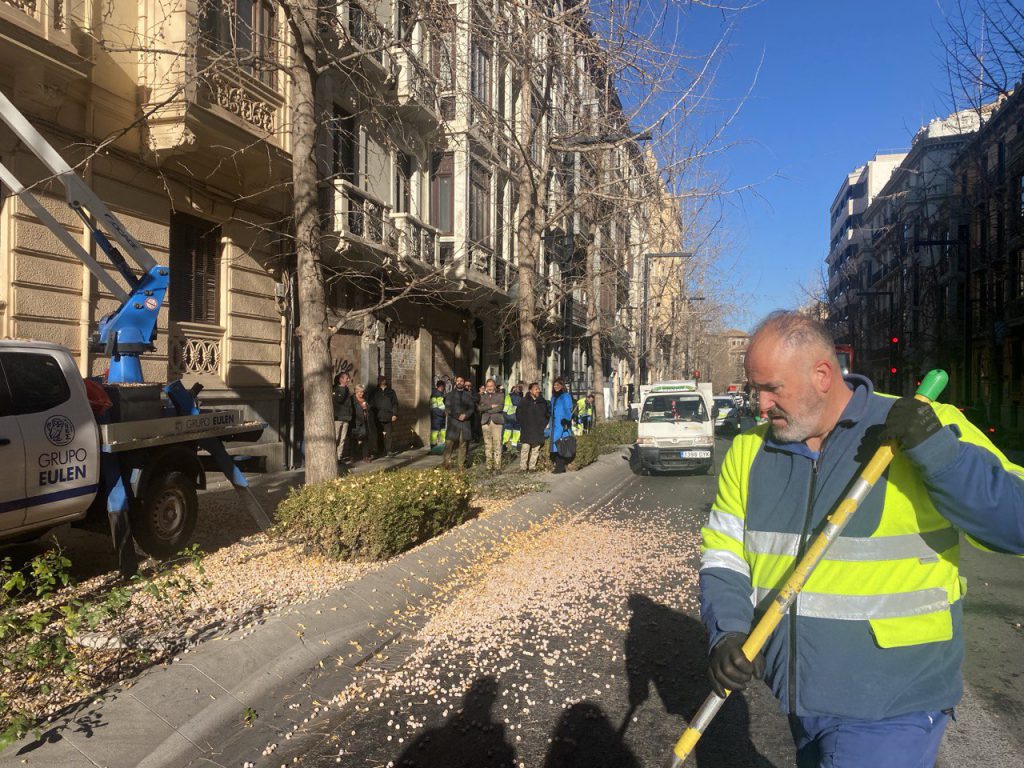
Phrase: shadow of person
(668, 650)
(585, 738)
(471, 738)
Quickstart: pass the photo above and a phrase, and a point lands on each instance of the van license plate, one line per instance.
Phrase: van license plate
(695, 454)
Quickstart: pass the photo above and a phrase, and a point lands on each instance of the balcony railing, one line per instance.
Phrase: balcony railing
(50, 13)
(195, 349)
(50, 16)
(359, 214)
(366, 33)
(417, 86)
(417, 240)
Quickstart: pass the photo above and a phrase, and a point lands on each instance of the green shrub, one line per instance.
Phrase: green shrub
(376, 515)
(615, 433)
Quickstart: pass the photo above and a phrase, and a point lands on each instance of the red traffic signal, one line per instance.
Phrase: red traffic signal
(895, 339)
(892, 370)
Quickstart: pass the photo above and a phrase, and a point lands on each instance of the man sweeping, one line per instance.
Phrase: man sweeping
(867, 663)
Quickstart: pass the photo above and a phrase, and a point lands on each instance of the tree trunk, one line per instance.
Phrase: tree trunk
(318, 433)
(528, 257)
(594, 327)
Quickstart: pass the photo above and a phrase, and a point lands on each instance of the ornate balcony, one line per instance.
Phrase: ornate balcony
(195, 350)
(41, 28)
(417, 241)
(417, 89)
(360, 32)
(362, 220)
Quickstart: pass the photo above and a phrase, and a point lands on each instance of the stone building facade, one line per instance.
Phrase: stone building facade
(178, 120)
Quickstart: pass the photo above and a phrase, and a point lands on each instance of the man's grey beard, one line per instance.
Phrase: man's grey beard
(799, 429)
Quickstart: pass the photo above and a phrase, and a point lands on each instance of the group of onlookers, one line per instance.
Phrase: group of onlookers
(365, 423)
(519, 419)
(515, 420)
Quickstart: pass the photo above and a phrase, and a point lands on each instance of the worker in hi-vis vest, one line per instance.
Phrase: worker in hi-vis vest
(867, 663)
(511, 435)
(437, 415)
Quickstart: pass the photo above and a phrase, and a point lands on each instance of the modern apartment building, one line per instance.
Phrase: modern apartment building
(894, 325)
(178, 116)
(847, 233)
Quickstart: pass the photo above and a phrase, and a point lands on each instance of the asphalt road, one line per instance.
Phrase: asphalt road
(584, 649)
(594, 657)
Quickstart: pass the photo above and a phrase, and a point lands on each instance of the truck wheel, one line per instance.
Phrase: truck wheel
(168, 516)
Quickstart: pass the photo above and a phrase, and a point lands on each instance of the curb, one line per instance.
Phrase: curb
(190, 711)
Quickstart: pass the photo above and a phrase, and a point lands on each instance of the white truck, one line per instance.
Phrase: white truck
(136, 461)
(54, 451)
(676, 427)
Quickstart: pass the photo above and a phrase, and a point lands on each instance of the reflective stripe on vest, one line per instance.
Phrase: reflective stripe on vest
(510, 409)
(821, 605)
(923, 546)
(437, 402)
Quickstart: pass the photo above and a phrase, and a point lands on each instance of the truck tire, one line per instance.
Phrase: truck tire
(167, 519)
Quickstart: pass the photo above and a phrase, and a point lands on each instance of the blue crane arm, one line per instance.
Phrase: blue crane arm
(130, 330)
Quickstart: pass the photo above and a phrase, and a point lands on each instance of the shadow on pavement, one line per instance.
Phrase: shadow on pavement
(667, 649)
(471, 738)
(585, 738)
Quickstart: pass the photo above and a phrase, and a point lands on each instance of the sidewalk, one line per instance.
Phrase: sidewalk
(190, 712)
(417, 458)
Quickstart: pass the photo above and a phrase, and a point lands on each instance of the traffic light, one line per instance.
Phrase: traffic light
(894, 354)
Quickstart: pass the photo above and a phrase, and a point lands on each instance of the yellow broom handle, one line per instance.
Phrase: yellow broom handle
(931, 387)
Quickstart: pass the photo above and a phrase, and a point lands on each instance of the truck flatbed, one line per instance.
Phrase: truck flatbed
(132, 435)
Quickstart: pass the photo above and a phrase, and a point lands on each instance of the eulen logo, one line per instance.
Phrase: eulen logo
(60, 430)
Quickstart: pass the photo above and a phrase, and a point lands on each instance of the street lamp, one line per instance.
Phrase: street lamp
(643, 362)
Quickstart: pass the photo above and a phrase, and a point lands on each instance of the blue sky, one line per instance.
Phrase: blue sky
(840, 80)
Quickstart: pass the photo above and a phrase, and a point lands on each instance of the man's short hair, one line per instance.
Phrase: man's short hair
(796, 329)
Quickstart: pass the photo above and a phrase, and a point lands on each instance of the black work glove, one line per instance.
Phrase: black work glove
(566, 423)
(910, 422)
(729, 668)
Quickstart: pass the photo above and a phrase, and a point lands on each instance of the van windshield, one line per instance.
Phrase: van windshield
(668, 408)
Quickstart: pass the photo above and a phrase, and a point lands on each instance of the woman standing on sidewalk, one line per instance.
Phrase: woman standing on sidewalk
(361, 425)
(561, 421)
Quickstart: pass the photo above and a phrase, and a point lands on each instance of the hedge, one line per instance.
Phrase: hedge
(376, 515)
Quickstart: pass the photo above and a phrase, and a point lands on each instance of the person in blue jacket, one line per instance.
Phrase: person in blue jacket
(560, 424)
(867, 663)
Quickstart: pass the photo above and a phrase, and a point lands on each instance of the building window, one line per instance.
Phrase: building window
(195, 270)
(245, 28)
(480, 205)
(403, 182)
(480, 74)
(442, 193)
(345, 141)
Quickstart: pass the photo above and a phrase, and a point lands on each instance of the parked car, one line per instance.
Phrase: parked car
(725, 405)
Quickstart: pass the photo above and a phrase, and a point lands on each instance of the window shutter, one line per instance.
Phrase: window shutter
(195, 270)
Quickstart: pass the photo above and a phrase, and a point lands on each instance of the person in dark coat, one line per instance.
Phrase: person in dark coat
(460, 407)
(532, 417)
(384, 403)
(561, 421)
(361, 425)
(341, 397)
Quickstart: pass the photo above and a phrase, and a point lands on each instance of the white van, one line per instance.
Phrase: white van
(676, 428)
